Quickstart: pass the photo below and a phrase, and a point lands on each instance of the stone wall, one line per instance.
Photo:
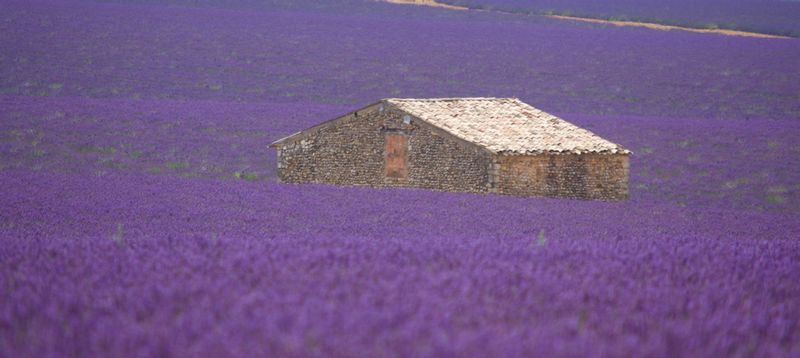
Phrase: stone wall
(583, 176)
(352, 151)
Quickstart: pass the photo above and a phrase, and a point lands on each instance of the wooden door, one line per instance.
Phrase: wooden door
(396, 155)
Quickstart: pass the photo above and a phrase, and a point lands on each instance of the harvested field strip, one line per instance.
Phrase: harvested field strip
(667, 27)
(648, 25)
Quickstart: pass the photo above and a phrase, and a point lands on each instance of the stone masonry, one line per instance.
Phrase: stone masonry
(582, 176)
(384, 145)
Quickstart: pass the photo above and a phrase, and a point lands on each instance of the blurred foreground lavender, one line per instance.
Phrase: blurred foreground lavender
(157, 265)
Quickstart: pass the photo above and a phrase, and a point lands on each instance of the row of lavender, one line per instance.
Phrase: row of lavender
(157, 52)
(765, 16)
(143, 265)
(706, 162)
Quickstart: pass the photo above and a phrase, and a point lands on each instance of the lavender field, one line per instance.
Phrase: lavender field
(140, 213)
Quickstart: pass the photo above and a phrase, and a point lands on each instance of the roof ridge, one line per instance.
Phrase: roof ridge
(447, 99)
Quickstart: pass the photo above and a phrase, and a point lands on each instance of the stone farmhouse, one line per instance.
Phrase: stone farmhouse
(487, 145)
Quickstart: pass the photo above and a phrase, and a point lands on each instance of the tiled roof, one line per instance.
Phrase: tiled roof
(505, 125)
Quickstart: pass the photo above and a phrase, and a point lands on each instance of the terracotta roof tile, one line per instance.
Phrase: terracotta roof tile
(505, 125)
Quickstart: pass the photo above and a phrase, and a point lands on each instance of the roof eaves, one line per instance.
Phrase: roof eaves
(279, 141)
(619, 150)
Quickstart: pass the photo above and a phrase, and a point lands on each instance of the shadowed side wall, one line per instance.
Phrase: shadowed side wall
(582, 176)
(352, 151)
(345, 151)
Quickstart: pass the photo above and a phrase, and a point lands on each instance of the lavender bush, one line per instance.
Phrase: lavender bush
(140, 216)
(161, 265)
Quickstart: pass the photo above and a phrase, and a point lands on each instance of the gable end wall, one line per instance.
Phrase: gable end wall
(351, 151)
